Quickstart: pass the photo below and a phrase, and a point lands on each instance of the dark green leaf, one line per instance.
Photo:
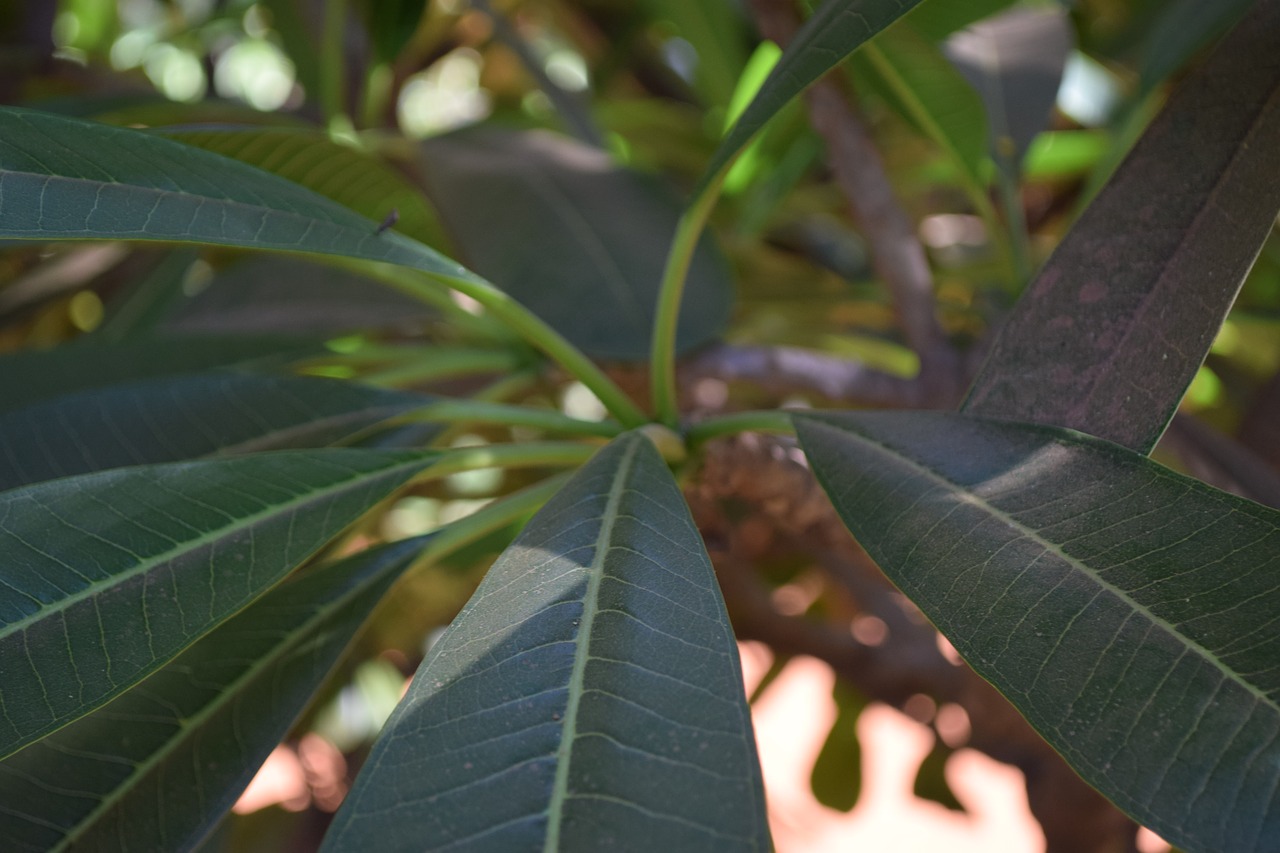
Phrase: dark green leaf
(108, 576)
(33, 375)
(588, 697)
(837, 29)
(584, 240)
(1127, 611)
(186, 417)
(159, 765)
(66, 179)
(836, 779)
(1182, 28)
(1112, 331)
(353, 177)
(938, 19)
(262, 293)
(1015, 61)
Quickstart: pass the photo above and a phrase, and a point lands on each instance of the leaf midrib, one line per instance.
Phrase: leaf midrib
(564, 755)
(974, 500)
(152, 563)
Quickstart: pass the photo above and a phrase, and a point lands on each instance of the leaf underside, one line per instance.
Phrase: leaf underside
(588, 697)
(1127, 611)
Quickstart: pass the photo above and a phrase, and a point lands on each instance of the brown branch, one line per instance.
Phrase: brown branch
(896, 252)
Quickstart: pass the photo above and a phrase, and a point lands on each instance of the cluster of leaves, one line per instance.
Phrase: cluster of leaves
(185, 519)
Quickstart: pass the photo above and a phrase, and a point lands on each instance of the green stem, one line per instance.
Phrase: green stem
(773, 420)
(530, 454)
(473, 411)
(444, 363)
(489, 518)
(663, 355)
(534, 330)
(1015, 220)
(333, 61)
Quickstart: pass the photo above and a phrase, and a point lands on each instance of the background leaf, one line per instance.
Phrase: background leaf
(836, 778)
(1127, 611)
(584, 239)
(186, 417)
(159, 765)
(109, 575)
(1113, 329)
(589, 696)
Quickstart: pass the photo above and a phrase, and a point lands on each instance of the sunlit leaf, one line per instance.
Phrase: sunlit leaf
(589, 696)
(1128, 612)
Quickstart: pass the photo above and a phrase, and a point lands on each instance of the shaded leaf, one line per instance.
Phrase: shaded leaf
(284, 295)
(66, 179)
(185, 417)
(836, 778)
(1128, 612)
(583, 240)
(588, 697)
(935, 21)
(835, 30)
(1109, 335)
(158, 766)
(109, 575)
(1015, 62)
(1182, 28)
(32, 375)
(353, 177)
(720, 35)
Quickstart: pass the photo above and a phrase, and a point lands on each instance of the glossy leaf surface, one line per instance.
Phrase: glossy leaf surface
(589, 696)
(186, 417)
(1127, 611)
(584, 240)
(158, 766)
(1110, 334)
(67, 179)
(835, 30)
(109, 575)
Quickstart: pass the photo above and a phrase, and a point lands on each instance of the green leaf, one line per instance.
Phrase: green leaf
(1182, 28)
(109, 575)
(66, 179)
(938, 19)
(837, 29)
(33, 375)
(1015, 62)
(186, 417)
(353, 177)
(1110, 334)
(589, 696)
(836, 778)
(585, 239)
(158, 766)
(931, 778)
(717, 32)
(1128, 612)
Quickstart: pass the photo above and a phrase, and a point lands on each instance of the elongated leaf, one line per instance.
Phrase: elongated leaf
(66, 179)
(583, 240)
(835, 30)
(1182, 28)
(107, 576)
(1127, 611)
(186, 417)
(352, 177)
(34, 375)
(158, 766)
(588, 697)
(1015, 61)
(1112, 331)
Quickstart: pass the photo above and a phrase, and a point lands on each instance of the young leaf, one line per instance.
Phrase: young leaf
(835, 30)
(109, 575)
(1112, 331)
(186, 417)
(588, 697)
(588, 237)
(158, 766)
(1128, 612)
